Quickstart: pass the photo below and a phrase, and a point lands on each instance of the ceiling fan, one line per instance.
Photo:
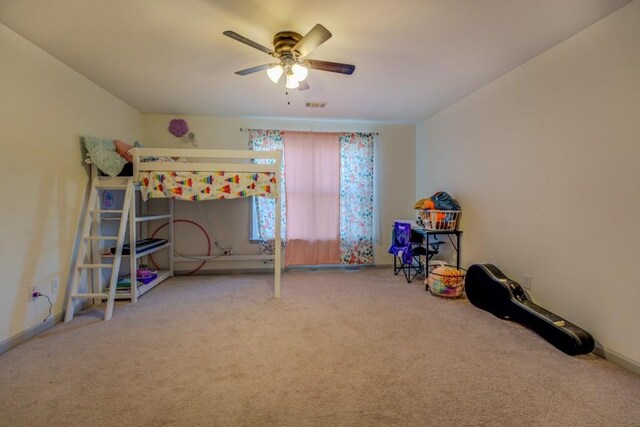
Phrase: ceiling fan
(291, 49)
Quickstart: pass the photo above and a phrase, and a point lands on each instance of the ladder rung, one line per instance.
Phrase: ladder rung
(95, 266)
(101, 237)
(97, 295)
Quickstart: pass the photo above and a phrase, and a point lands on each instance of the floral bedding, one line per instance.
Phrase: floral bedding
(196, 186)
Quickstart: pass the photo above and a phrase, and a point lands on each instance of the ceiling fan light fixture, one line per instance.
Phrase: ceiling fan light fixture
(291, 50)
(275, 73)
(292, 82)
(300, 72)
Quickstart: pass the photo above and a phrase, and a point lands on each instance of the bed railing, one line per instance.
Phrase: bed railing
(201, 160)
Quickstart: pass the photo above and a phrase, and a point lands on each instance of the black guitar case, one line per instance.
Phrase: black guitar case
(489, 289)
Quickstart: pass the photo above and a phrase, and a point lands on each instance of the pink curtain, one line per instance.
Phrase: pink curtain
(313, 198)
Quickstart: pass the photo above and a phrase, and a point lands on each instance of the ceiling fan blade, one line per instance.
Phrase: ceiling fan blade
(255, 69)
(248, 42)
(334, 67)
(304, 85)
(312, 40)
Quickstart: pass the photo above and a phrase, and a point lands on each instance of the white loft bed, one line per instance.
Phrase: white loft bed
(214, 161)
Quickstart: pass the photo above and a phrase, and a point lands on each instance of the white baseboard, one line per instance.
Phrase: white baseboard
(617, 359)
(269, 269)
(23, 336)
(27, 334)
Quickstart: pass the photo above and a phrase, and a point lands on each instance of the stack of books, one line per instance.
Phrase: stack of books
(124, 285)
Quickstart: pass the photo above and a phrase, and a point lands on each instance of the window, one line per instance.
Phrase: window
(355, 196)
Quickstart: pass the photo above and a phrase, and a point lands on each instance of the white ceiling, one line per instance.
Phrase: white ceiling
(413, 57)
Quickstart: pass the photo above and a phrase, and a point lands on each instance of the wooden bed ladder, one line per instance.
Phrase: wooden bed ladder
(91, 235)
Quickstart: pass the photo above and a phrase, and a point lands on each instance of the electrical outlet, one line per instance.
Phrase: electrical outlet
(54, 286)
(528, 281)
(33, 292)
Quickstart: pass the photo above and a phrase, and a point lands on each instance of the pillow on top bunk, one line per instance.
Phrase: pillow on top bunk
(124, 150)
(103, 153)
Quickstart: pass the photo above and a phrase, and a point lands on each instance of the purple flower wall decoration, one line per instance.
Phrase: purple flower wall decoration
(178, 127)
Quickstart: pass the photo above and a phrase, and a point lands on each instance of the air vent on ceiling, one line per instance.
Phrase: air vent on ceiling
(315, 104)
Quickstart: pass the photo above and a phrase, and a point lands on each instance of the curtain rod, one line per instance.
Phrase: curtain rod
(372, 133)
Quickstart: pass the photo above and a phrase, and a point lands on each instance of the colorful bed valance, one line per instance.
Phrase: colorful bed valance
(197, 186)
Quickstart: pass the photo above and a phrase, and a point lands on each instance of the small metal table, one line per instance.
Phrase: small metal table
(435, 233)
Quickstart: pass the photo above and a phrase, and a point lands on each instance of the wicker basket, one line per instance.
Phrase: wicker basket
(434, 219)
(446, 281)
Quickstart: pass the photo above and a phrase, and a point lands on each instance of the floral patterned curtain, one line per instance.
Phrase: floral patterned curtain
(268, 140)
(356, 198)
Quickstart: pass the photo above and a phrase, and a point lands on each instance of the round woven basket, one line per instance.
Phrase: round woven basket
(446, 281)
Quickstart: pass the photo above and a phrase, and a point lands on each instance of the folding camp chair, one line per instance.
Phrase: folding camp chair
(407, 249)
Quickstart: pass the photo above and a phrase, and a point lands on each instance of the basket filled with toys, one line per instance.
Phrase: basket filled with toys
(445, 280)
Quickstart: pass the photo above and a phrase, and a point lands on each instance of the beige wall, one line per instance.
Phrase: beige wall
(44, 107)
(229, 219)
(544, 161)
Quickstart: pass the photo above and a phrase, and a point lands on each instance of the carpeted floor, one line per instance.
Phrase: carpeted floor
(340, 348)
